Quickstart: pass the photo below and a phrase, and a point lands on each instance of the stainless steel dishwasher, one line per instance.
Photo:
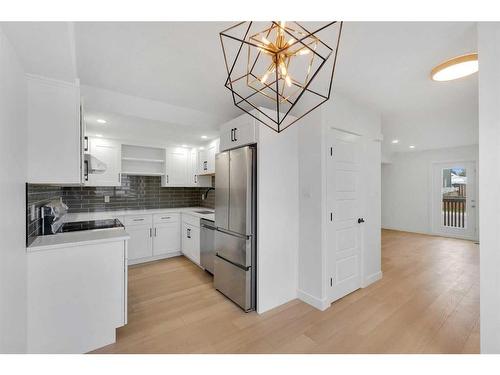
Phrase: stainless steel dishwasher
(207, 245)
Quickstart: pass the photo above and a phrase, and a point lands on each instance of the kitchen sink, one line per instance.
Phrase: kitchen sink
(206, 212)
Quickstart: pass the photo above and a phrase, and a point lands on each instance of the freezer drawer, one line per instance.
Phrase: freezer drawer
(234, 282)
(235, 248)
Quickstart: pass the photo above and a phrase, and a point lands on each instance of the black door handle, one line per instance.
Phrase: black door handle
(235, 139)
(361, 220)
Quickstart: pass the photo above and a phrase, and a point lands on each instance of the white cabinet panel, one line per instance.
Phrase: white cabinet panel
(238, 132)
(202, 162)
(176, 167)
(54, 132)
(194, 179)
(191, 242)
(193, 167)
(76, 297)
(167, 238)
(139, 244)
(206, 158)
(108, 152)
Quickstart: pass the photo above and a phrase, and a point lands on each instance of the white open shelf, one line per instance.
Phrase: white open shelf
(143, 161)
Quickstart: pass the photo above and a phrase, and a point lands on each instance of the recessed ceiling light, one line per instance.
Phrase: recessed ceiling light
(457, 67)
(412, 146)
(202, 148)
(204, 137)
(99, 135)
(395, 141)
(184, 145)
(101, 121)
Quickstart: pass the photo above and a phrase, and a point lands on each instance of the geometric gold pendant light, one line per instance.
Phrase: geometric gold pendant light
(271, 66)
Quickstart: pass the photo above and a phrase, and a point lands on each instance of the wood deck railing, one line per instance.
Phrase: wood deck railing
(454, 212)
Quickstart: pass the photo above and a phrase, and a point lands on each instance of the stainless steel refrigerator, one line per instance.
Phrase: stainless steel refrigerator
(235, 219)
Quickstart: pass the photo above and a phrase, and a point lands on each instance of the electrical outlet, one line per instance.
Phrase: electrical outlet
(106, 199)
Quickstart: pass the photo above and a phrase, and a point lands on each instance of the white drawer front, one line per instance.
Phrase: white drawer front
(191, 220)
(138, 220)
(166, 218)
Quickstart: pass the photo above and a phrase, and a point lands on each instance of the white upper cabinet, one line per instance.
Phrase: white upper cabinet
(176, 167)
(206, 158)
(238, 132)
(102, 165)
(54, 131)
(193, 167)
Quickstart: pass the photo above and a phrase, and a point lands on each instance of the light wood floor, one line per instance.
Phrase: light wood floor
(427, 302)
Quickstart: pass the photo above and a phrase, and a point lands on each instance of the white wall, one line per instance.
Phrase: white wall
(406, 186)
(344, 114)
(12, 200)
(489, 146)
(278, 217)
(447, 127)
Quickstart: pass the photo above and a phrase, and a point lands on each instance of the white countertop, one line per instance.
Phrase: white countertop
(84, 237)
(104, 235)
(114, 214)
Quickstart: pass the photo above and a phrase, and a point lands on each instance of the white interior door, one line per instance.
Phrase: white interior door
(343, 229)
(454, 199)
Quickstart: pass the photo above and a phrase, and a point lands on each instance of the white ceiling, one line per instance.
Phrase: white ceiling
(383, 65)
(45, 48)
(180, 63)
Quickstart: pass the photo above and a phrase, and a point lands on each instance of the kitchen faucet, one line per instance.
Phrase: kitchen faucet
(205, 194)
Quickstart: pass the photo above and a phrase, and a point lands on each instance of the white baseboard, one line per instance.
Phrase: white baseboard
(313, 301)
(371, 279)
(154, 258)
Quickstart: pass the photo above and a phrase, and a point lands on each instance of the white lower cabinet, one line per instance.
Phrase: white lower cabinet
(191, 240)
(76, 297)
(153, 237)
(139, 245)
(166, 238)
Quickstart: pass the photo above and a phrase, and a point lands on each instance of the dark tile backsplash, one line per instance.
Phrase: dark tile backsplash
(38, 195)
(136, 192)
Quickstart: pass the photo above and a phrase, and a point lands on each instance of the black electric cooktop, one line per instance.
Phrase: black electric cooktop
(89, 225)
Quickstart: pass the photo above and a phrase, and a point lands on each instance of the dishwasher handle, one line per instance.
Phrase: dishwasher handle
(208, 226)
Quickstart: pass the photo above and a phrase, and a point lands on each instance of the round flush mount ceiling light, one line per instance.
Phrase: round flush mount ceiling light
(457, 67)
(101, 121)
(412, 147)
(394, 141)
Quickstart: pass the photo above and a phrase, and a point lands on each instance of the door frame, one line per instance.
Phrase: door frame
(432, 203)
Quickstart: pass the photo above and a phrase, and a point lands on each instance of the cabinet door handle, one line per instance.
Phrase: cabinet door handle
(205, 165)
(188, 233)
(150, 232)
(86, 170)
(167, 178)
(235, 139)
(156, 231)
(138, 219)
(166, 217)
(120, 178)
(232, 135)
(86, 147)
